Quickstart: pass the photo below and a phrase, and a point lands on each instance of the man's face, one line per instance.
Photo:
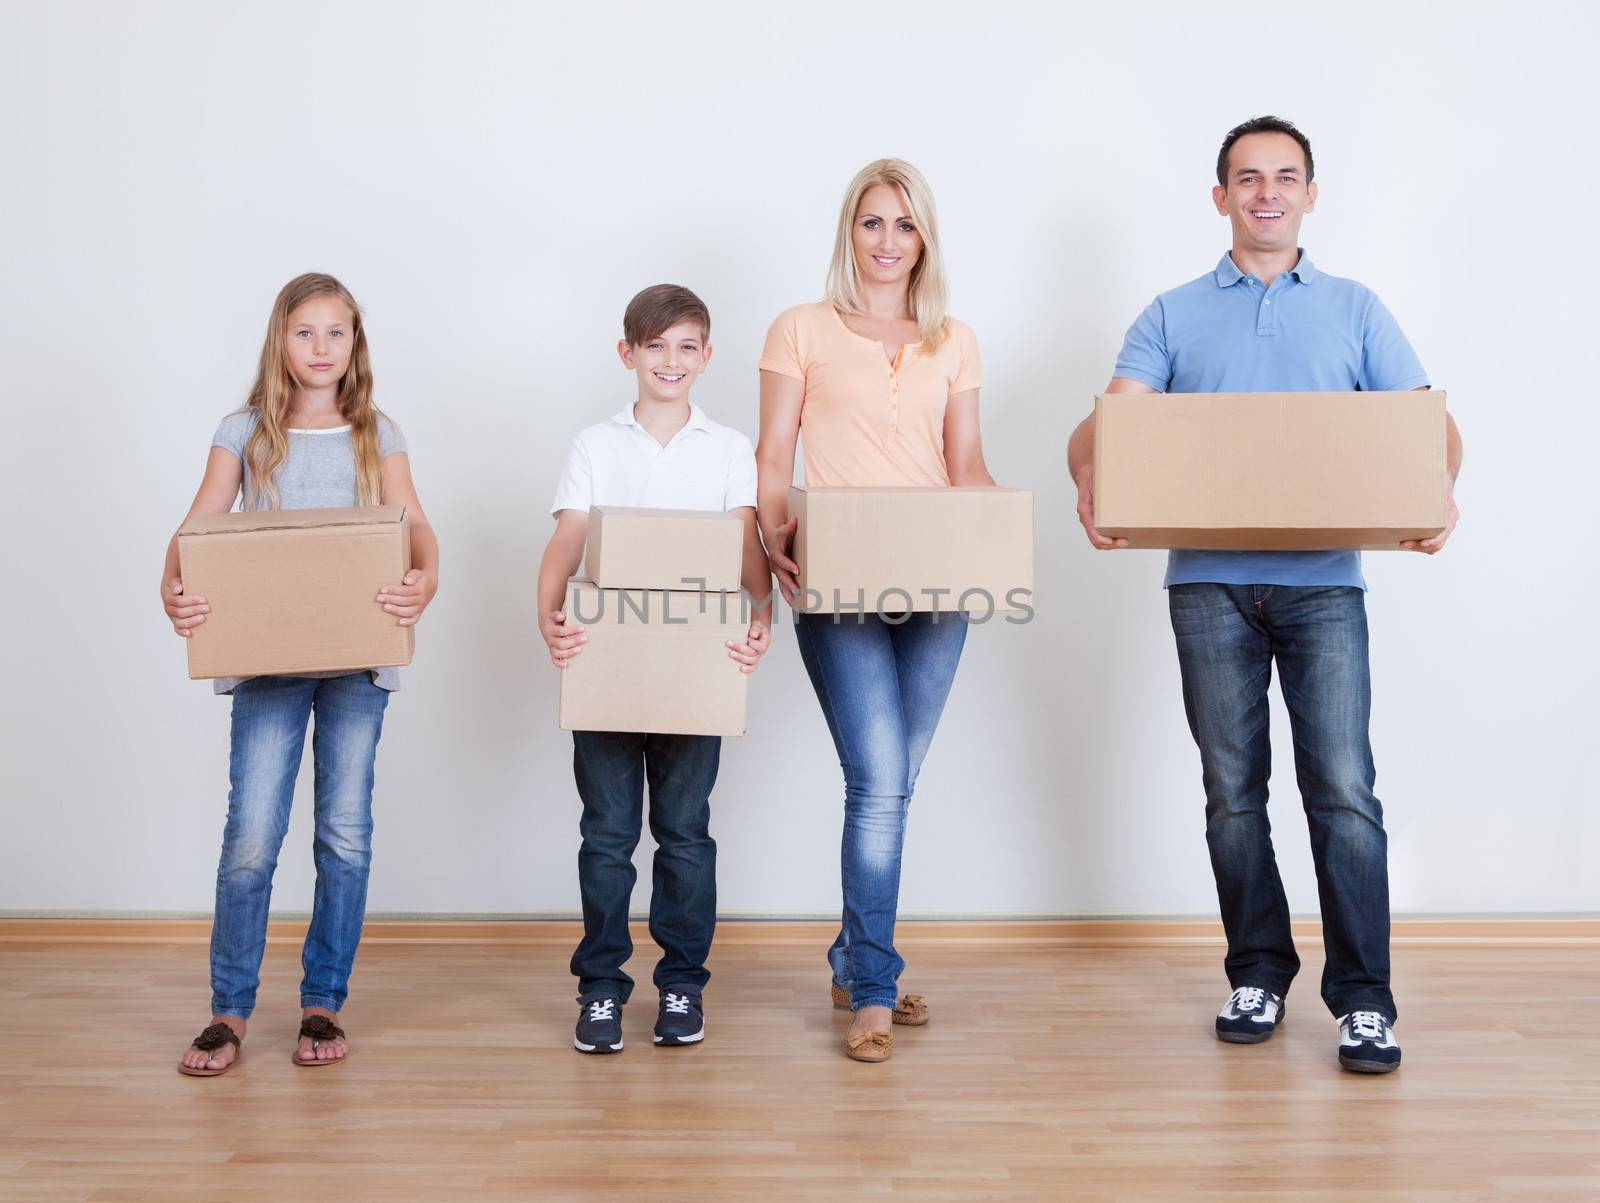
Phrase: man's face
(1267, 192)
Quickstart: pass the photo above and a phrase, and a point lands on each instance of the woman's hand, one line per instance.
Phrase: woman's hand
(755, 645)
(183, 611)
(407, 600)
(565, 640)
(785, 569)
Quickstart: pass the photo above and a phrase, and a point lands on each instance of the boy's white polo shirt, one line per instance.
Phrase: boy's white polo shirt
(706, 466)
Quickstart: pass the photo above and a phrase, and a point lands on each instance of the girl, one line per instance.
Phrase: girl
(884, 387)
(309, 436)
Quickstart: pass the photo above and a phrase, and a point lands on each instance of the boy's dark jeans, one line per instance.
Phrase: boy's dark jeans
(1228, 638)
(612, 768)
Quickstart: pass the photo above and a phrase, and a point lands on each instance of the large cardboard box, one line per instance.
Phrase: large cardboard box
(637, 548)
(295, 591)
(918, 549)
(656, 661)
(1270, 471)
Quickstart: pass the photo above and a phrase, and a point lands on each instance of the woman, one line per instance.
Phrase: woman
(884, 386)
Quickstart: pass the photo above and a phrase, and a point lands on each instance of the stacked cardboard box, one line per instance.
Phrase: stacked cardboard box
(1284, 471)
(660, 602)
(294, 591)
(892, 550)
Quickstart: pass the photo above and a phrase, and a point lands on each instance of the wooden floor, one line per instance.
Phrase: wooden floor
(1048, 1072)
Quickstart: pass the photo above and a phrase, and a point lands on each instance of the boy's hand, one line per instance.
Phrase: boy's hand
(749, 653)
(183, 611)
(1432, 546)
(784, 568)
(1086, 512)
(563, 639)
(407, 600)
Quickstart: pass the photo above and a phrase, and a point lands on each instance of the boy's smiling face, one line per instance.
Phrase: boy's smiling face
(668, 364)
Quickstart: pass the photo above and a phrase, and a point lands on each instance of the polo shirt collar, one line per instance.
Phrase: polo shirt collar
(697, 418)
(1228, 273)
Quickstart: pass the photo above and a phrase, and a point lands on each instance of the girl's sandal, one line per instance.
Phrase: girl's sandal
(209, 1041)
(318, 1028)
(911, 1011)
(869, 1046)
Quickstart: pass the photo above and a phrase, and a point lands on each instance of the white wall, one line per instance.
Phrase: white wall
(494, 181)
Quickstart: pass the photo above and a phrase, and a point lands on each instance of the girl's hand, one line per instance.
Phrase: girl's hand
(407, 600)
(784, 568)
(183, 611)
(565, 640)
(755, 645)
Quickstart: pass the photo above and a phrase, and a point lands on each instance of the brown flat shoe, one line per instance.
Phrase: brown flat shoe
(869, 1046)
(319, 1028)
(209, 1041)
(911, 1011)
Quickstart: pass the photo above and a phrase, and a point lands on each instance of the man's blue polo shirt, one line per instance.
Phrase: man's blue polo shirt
(1309, 332)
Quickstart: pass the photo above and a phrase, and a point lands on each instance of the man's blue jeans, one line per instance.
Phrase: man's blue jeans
(269, 733)
(1228, 637)
(882, 683)
(612, 768)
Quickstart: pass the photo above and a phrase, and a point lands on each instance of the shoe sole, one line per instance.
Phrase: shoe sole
(596, 1048)
(677, 1041)
(1368, 1067)
(1245, 1037)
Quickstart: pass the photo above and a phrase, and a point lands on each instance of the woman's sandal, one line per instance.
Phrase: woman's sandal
(869, 1046)
(911, 1011)
(318, 1028)
(209, 1041)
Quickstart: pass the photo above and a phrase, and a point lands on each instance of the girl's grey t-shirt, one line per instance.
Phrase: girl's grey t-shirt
(318, 472)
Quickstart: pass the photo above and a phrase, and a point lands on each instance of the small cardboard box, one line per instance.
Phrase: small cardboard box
(294, 591)
(635, 548)
(655, 662)
(1270, 471)
(918, 549)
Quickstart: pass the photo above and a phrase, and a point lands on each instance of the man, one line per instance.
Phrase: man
(1266, 320)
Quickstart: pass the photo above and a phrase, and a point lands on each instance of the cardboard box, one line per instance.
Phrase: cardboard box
(1270, 471)
(293, 591)
(635, 548)
(918, 549)
(655, 662)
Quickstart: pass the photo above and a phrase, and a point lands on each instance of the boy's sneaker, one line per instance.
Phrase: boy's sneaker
(681, 1020)
(1250, 1015)
(1367, 1044)
(599, 1026)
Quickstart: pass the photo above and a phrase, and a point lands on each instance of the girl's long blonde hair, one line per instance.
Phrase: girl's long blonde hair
(272, 398)
(929, 293)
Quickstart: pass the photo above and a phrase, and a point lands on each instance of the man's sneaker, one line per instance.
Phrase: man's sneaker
(681, 1020)
(1367, 1044)
(1250, 1015)
(599, 1026)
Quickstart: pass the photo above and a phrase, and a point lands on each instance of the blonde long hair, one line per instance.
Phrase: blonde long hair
(929, 293)
(272, 397)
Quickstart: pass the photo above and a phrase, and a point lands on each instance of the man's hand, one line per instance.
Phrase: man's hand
(1434, 545)
(1086, 512)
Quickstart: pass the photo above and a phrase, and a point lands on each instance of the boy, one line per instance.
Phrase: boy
(661, 451)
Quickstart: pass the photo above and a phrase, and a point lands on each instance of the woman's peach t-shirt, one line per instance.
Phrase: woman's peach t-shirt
(866, 421)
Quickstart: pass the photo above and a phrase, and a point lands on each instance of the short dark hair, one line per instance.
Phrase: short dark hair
(1262, 125)
(659, 308)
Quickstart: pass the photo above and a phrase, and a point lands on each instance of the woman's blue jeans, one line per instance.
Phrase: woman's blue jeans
(882, 682)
